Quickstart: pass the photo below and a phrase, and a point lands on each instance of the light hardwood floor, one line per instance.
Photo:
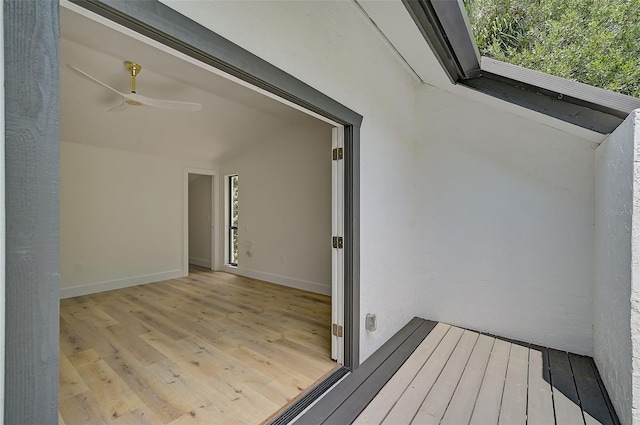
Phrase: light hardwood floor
(209, 348)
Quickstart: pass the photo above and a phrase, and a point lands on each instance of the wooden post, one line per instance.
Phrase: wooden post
(31, 43)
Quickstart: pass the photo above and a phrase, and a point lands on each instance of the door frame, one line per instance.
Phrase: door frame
(185, 217)
(168, 27)
(32, 141)
(337, 257)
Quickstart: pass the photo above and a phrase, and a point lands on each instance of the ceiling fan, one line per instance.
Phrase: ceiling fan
(135, 99)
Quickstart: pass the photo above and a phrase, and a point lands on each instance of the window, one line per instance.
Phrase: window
(445, 26)
(232, 248)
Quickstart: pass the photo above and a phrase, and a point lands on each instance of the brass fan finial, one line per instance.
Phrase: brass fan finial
(134, 69)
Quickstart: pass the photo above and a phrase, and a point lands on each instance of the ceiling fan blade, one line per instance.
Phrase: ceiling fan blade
(89, 77)
(122, 107)
(134, 99)
(173, 105)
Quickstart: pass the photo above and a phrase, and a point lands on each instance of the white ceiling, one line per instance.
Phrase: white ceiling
(233, 117)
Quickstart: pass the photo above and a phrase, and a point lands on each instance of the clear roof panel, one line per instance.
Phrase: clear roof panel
(595, 42)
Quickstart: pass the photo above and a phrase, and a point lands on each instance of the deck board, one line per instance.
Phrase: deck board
(346, 401)
(457, 376)
(380, 406)
(595, 408)
(435, 405)
(513, 410)
(540, 400)
(487, 408)
(464, 398)
(356, 401)
(565, 395)
(409, 402)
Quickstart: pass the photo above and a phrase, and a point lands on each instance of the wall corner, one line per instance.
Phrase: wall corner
(634, 119)
(616, 290)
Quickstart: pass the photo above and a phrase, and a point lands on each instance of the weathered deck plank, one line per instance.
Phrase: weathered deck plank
(594, 406)
(455, 376)
(464, 398)
(355, 403)
(514, 399)
(346, 401)
(380, 406)
(487, 409)
(434, 406)
(410, 401)
(540, 401)
(565, 395)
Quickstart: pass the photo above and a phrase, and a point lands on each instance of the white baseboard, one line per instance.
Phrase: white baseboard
(92, 288)
(318, 288)
(200, 262)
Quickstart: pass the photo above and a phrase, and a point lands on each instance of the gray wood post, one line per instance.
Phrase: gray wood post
(32, 178)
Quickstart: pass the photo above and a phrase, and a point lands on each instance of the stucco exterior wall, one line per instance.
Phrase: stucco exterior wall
(635, 269)
(504, 223)
(616, 322)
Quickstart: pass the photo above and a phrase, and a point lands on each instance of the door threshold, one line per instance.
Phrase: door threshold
(303, 402)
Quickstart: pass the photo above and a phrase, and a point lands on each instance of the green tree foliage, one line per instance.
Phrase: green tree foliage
(595, 42)
(234, 219)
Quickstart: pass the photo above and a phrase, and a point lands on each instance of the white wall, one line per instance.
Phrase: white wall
(120, 218)
(504, 219)
(200, 220)
(334, 48)
(284, 208)
(469, 214)
(616, 267)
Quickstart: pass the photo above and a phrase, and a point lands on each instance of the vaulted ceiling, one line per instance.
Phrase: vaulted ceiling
(232, 118)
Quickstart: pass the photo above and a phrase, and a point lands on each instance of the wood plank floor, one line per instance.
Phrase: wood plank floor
(209, 348)
(458, 376)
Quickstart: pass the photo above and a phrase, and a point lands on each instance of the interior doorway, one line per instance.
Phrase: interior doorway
(339, 286)
(200, 214)
(200, 220)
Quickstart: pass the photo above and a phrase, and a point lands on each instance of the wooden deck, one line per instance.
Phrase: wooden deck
(209, 348)
(457, 376)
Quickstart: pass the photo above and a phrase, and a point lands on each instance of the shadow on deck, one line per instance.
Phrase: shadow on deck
(433, 373)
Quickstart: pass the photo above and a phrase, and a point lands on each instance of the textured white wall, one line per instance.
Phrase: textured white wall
(635, 269)
(120, 218)
(504, 223)
(200, 220)
(334, 48)
(615, 294)
(284, 208)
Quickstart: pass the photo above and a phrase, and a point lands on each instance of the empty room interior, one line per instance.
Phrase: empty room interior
(195, 256)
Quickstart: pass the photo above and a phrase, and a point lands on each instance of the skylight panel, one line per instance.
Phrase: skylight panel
(574, 60)
(595, 42)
